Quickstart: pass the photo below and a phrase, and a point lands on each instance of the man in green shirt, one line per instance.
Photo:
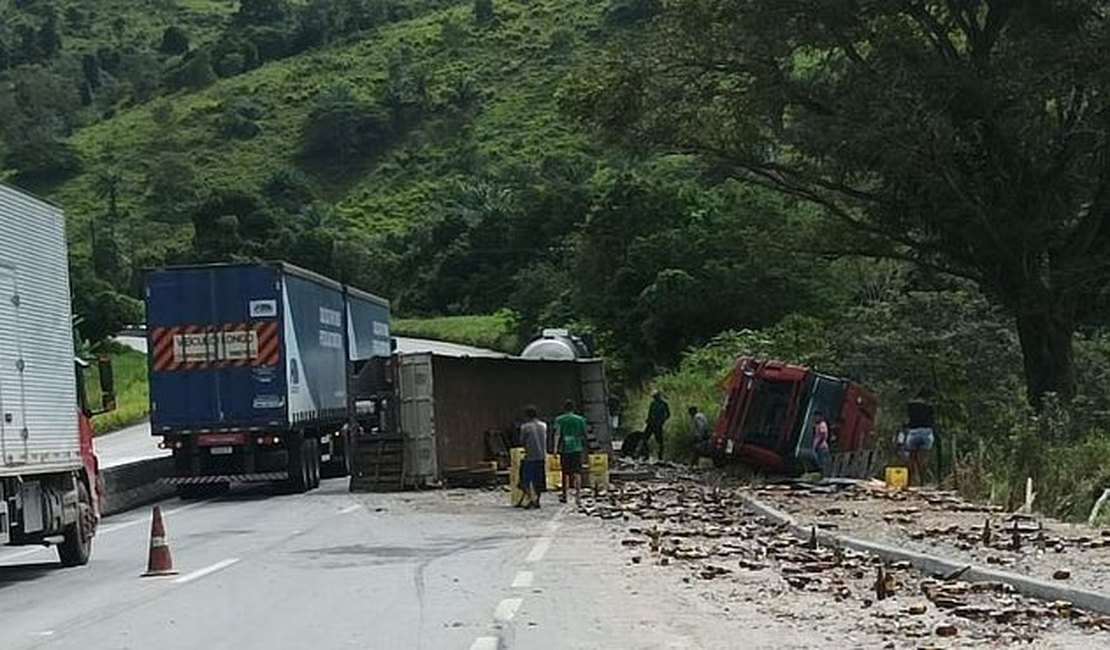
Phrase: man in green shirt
(570, 440)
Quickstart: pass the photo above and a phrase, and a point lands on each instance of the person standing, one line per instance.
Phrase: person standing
(821, 442)
(920, 435)
(701, 432)
(570, 440)
(658, 414)
(533, 437)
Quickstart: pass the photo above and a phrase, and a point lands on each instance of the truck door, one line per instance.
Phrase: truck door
(11, 376)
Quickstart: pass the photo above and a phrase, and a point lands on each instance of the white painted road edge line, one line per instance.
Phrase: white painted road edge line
(523, 580)
(200, 573)
(507, 609)
(348, 510)
(484, 643)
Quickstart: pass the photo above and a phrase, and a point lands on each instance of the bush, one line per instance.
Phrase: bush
(344, 130)
(174, 41)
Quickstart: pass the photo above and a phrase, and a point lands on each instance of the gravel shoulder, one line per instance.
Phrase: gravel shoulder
(691, 568)
(941, 523)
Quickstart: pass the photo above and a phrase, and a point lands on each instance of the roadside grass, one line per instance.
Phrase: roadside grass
(494, 331)
(132, 397)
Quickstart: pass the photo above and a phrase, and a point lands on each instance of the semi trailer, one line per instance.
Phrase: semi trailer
(250, 370)
(48, 469)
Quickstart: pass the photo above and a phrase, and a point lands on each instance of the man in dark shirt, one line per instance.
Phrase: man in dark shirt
(658, 414)
(920, 435)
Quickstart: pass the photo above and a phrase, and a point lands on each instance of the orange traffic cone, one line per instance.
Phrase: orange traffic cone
(159, 562)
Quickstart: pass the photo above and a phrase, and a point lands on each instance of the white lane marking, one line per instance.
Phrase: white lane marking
(348, 510)
(539, 550)
(44, 633)
(507, 609)
(484, 643)
(200, 573)
(523, 580)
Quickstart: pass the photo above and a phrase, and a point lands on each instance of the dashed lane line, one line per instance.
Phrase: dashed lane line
(523, 579)
(208, 570)
(507, 609)
(539, 550)
(484, 643)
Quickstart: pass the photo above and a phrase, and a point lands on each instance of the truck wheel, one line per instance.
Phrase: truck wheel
(314, 463)
(77, 547)
(299, 480)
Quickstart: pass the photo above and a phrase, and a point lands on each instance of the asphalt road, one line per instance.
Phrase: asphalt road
(128, 446)
(326, 569)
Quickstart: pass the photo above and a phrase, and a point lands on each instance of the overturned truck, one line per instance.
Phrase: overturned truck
(768, 420)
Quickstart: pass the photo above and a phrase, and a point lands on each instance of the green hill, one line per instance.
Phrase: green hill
(416, 148)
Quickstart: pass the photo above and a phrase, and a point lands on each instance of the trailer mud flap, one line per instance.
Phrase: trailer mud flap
(260, 477)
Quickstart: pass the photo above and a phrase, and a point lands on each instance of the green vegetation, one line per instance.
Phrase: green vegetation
(679, 182)
(495, 331)
(132, 399)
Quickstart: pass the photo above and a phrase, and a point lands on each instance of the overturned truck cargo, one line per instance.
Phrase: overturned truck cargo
(457, 414)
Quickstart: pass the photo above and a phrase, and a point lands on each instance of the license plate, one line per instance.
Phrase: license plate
(221, 451)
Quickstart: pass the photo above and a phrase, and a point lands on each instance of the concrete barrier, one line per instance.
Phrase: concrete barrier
(135, 484)
(1092, 601)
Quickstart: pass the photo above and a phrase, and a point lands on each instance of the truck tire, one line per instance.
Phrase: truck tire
(77, 547)
(299, 472)
(314, 463)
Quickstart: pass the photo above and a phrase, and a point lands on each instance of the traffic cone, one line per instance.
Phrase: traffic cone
(159, 562)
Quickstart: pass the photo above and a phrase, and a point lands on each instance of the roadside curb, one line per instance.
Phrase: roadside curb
(1092, 601)
(135, 484)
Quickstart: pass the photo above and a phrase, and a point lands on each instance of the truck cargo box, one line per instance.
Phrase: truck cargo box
(448, 404)
(255, 347)
(38, 393)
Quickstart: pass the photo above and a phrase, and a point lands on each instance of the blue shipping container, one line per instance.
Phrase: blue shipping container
(254, 346)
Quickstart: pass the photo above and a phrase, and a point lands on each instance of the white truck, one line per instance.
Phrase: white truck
(48, 470)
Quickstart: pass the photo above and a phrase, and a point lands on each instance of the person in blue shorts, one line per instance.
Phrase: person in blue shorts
(920, 436)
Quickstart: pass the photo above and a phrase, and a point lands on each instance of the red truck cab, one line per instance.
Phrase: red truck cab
(768, 419)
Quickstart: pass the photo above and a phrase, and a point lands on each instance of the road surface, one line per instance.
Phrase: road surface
(127, 446)
(449, 569)
(441, 569)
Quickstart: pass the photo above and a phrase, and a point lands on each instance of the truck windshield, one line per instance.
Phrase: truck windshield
(764, 427)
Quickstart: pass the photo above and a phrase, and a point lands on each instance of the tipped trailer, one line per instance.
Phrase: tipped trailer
(251, 367)
(48, 470)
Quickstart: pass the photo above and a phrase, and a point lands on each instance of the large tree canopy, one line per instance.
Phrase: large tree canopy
(965, 135)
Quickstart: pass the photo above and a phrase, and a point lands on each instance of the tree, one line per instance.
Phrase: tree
(260, 12)
(484, 12)
(969, 137)
(343, 129)
(174, 41)
(194, 72)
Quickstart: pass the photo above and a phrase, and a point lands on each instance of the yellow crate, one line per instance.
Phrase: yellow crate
(599, 471)
(897, 477)
(554, 463)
